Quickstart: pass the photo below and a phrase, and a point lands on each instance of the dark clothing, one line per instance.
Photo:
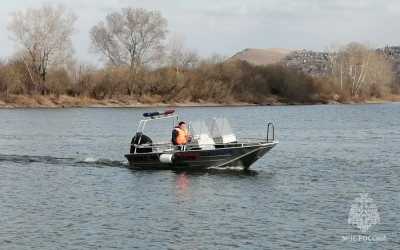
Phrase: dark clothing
(174, 136)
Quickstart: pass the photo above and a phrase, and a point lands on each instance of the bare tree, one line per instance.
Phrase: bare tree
(180, 57)
(131, 37)
(360, 69)
(357, 58)
(215, 59)
(335, 66)
(380, 76)
(44, 35)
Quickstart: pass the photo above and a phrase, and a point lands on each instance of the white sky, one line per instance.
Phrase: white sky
(226, 27)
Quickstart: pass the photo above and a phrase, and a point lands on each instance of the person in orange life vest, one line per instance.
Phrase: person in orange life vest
(180, 134)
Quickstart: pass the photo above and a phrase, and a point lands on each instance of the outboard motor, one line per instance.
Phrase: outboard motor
(141, 139)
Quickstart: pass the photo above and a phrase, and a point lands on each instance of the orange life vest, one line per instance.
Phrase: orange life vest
(182, 137)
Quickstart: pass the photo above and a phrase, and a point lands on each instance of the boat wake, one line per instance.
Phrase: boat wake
(90, 161)
(103, 162)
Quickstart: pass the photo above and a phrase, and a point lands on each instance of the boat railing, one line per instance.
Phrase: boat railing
(271, 127)
(157, 147)
(167, 146)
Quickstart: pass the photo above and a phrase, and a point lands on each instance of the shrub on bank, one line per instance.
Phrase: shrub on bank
(224, 82)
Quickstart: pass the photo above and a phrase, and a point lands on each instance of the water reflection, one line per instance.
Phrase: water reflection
(220, 171)
(185, 180)
(182, 182)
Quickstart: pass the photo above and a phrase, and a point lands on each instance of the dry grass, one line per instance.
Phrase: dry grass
(393, 98)
(36, 101)
(208, 84)
(64, 101)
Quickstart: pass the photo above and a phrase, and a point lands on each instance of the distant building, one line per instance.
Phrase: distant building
(317, 63)
(313, 63)
(310, 62)
(393, 53)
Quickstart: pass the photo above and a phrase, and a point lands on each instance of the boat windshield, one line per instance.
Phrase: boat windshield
(204, 133)
(221, 131)
(201, 134)
(213, 131)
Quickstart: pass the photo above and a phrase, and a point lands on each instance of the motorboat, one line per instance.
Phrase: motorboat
(213, 145)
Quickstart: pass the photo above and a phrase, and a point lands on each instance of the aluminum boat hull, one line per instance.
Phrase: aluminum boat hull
(230, 156)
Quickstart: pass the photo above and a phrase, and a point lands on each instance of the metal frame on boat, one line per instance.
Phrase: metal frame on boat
(201, 153)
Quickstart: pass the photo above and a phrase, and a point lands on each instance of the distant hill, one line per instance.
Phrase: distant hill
(314, 63)
(262, 56)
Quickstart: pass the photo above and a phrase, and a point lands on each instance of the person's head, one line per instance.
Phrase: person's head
(182, 125)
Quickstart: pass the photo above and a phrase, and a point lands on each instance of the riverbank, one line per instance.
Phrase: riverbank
(63, 101)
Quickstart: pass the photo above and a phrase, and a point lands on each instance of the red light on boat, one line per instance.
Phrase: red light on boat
(169, 112)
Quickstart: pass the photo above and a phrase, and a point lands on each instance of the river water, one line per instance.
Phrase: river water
(64, 183)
